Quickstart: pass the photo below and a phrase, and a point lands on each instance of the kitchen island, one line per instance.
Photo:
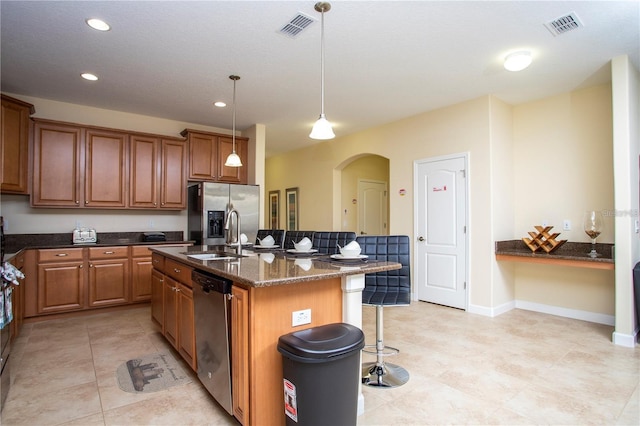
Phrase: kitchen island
(268, 286)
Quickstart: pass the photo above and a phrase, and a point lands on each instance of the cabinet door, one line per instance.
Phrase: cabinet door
(105, 169)
(173, 189)
(57, 157)
(202, 157)
(108, 282)
(240, 353)
(225, 147)
(170, 317)
(15, 146)
(186, 330)
(143, 169)
(157, 297)
(60, 287)
(141, 279)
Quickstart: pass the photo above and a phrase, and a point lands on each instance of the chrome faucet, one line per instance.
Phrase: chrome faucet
(227, 227)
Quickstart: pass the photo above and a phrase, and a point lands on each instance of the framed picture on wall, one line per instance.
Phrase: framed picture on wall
(274, 209)
(291, 195)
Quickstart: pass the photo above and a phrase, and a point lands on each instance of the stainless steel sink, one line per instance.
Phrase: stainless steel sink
(213, 255)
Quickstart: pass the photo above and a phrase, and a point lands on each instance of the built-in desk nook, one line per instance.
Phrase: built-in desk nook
(570, 254)
(267, 288)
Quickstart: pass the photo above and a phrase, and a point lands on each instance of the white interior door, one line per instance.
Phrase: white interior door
(441, 245)
(372, 207)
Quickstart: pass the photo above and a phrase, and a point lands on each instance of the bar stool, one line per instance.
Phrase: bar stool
(389, 288)
(327, 242)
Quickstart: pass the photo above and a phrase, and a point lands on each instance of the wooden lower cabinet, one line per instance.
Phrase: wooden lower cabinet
(157, 297)
(141, 267)
(61, 281)
(109, 280)
(177, 311)
(240, 351)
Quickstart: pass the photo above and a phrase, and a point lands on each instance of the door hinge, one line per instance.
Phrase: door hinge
(464, 229)
(464, 173)
(465, 285)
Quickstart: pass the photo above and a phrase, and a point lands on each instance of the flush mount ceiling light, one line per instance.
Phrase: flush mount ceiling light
(220, 104)
(322, 129)
(89, 76)
(98, 24)
(517, 61)
(233, 160)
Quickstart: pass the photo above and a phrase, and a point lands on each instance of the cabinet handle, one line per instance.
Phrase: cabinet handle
(81, 266)
(162, 204)
(155, 204)
(86, 202)
(109, 252)
(174, 288)
(176, 270)
(77, 202)
(177, 290)
(91, 265)
(62, 254)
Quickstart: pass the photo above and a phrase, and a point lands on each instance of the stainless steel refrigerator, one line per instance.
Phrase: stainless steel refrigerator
(209, 204)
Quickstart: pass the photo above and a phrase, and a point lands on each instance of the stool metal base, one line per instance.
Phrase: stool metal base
(383, 375)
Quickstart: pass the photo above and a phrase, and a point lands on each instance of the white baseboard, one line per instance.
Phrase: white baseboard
(492, 312)
(627, 340)
(567, 313)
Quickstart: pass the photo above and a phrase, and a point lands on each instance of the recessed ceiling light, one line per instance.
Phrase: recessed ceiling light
(220, 104)
(89, 76)
(98, 24)
(517, 61)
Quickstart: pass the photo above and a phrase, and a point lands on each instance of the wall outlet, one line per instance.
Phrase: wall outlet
(151, 224)
(566, 225)
(301, 317)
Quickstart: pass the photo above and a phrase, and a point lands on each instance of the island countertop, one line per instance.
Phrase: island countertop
(264, 268)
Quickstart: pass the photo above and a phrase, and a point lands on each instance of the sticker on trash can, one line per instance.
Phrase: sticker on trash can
(290, 405)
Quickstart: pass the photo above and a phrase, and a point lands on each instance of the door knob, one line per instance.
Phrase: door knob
(420, 238)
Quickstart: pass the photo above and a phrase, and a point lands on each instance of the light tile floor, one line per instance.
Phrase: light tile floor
(519, 368)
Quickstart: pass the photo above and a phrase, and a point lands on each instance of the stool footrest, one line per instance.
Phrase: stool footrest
(386, 351)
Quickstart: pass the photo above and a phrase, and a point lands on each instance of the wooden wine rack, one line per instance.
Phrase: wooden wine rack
(543, 239)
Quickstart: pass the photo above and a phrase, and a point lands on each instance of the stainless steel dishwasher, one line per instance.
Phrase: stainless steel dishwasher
(211, 300)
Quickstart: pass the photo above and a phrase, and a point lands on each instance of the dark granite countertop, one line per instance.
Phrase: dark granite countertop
(265, 268)
(16, 242)
(568, 251)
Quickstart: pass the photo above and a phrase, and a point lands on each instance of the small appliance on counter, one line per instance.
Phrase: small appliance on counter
(150, 237)
(84, 236)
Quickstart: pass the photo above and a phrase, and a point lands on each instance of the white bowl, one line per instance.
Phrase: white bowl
(267, 241)
(303, 245)
(350, 253)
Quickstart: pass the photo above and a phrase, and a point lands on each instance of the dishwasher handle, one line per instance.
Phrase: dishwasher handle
(210, 282)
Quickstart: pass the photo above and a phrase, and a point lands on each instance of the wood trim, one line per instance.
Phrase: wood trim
(561, 262)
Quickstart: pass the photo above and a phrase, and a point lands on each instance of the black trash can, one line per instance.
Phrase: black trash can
(636, 290)
(321, 369)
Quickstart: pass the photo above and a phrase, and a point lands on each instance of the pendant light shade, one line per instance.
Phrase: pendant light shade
(233, 160)
(322, 129)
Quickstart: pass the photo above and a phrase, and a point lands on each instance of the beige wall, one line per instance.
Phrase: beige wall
(563, 157)
(527, 163)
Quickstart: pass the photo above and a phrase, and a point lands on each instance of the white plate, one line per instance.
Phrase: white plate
(301, 251)
(341, 257)
(266, 247)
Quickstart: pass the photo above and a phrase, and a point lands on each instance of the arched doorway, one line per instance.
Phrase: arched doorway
(364, 201)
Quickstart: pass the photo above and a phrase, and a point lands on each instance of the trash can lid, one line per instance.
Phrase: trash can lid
(323, 342)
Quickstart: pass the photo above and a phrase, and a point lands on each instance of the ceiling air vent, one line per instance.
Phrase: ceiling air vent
(296, 25)
(564, 24)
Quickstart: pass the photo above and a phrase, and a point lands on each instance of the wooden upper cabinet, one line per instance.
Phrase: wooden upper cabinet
(15, 145)
(173, 187)
(232, 174)
(208, 153)
(106, 168)
(57, 173)
(144, 167)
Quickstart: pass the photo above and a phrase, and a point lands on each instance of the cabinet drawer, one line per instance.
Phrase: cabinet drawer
(140, 251)
(157, 261)
(178, 271)
(108, 252)
(56, 255)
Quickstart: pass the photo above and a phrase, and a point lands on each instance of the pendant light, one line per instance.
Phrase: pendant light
(322, 129)
(233, 160)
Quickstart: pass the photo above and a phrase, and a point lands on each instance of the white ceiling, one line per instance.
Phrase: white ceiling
(385, 60)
